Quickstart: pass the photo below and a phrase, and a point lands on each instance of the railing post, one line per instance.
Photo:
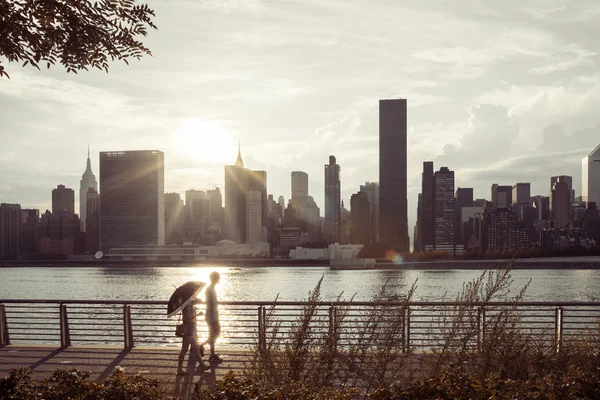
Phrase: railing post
(127, 328)
(558, 328)
(262, 341)
(4, 338)
(481, 332)
(332, 324)
(65, 334)
(407, 323)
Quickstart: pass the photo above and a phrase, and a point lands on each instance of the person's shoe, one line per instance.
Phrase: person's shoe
(202, 368)
(180, 372)
(215, 358)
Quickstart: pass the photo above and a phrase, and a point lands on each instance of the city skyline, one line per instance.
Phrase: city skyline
(526, 87)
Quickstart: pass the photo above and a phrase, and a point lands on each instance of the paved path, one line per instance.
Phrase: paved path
(154, 362)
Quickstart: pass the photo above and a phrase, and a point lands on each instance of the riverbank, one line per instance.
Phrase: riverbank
(519, 263)
(245, 263)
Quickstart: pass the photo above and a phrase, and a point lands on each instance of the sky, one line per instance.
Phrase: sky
(498, 91)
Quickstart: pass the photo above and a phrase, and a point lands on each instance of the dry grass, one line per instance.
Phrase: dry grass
(367, 350)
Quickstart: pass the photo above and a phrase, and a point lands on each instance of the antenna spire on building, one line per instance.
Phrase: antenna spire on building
(239, 162)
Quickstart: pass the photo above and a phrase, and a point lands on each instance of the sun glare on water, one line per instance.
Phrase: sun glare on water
(204, 140)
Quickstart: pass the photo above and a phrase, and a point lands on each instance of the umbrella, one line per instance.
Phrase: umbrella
(182, 296)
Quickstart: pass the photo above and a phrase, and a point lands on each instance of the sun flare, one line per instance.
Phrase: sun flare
(205, 140)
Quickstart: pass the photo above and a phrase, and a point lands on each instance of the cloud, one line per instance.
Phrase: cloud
(570, 57)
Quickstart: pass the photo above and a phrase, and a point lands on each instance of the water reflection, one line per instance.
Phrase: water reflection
(291, 283)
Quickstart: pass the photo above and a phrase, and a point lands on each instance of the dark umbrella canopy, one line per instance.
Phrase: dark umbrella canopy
(182, 296)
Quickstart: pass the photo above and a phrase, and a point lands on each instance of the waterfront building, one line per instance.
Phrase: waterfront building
(289, 238)
(444, 211)
(10, 231)
(393, 219)
(60, 233)
(521, 193)
(372, 191)
(566, 179)
(88, 180)
(174, 218)
(63, 200)
(29, 231)
(501, 196)
(132, 208)
(503, 231)
(238, 182)
(92, 233)
(360, 211)
(215, 206)
(463, 198)
(332, 201)
(591, 177)
(299, 185)
(560, 203)
(471, 227)
(254, 224)
(427, 220)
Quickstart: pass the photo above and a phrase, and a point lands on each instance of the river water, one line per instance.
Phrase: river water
(265, 283)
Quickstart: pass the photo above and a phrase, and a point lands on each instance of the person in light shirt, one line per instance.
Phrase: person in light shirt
(212, 315)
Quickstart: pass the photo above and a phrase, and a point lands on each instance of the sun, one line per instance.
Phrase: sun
(205, 141)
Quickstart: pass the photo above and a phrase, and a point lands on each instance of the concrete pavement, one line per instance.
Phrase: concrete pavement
(154, 362)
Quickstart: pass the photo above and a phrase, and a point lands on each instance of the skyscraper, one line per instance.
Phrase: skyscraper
(427, 217)
(591, 177)
(132, 208)
(444, 210)
(254, 223)
(10, 231)
(299, 185)
(501, 196)
(393, 221)
(238, 182)
(63, 201)
(566, 179)
(372, 191)
(521, 193)
(174, 218)
(560, 203)
(332, 201)
(88, 180)
(360, 214)
(215, 206)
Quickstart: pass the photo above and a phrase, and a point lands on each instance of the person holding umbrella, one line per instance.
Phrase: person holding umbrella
(183, 300)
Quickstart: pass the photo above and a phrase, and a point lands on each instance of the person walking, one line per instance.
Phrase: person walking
(212, 315)
(190, 338)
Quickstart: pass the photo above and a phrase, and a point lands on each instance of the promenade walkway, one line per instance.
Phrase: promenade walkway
(153, 362)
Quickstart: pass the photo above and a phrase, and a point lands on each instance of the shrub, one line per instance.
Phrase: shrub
(75, 385)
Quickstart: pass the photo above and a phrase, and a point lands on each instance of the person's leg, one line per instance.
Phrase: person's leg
(214, 331)
(185, 344)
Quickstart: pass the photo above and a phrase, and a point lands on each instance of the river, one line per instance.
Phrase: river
(265, 283)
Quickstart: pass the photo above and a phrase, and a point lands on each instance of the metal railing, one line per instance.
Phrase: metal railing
(417, 325)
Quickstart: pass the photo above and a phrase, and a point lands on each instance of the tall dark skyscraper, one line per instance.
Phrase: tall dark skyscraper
(444, 210)
(393, 220)
(360, 213)
(132, 201)
(427, 217)
(332, 201)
